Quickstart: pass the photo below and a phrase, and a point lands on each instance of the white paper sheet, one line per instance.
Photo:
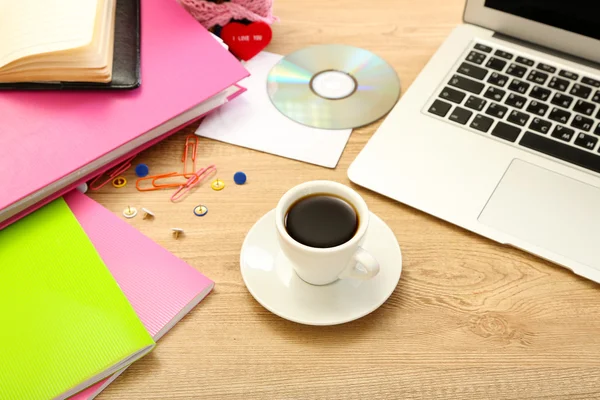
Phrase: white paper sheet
(252, 121)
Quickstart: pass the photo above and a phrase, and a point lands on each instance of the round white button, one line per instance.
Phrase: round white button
(333, 84)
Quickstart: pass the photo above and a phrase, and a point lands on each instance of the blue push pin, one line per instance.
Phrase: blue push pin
(239, 178)
(141, 170)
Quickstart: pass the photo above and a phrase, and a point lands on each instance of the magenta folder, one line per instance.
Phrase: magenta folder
(50, 141)
(161, 288)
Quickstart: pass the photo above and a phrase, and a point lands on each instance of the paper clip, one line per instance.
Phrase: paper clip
(112, 173)
(195, 179)
(193, 146)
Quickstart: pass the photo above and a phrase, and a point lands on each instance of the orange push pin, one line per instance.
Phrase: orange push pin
(177, 232)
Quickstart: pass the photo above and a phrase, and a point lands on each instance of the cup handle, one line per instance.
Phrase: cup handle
(362, 258)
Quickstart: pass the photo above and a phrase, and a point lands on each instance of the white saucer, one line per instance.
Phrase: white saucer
(270, 278)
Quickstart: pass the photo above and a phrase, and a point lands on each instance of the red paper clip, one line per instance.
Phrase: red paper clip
(112, 173)
(195, 179)
(193, 146)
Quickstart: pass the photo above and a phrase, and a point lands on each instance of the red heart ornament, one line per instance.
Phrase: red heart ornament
(246, 41)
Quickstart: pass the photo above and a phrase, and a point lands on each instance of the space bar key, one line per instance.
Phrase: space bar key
(562, 151)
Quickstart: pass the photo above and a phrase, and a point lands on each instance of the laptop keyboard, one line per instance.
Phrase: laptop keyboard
(528, 103)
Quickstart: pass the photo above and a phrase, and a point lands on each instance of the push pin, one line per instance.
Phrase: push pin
(177, 232)
(119, 182)
(239, 178)
(217, 184)
(147, 213)
(200, 211)
(130, 212)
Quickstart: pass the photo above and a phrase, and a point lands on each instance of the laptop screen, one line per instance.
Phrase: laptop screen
(578, 16)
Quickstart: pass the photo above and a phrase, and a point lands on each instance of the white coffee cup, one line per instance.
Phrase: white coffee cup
(320, 266)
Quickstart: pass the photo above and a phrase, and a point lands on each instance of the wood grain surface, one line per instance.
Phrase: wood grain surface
(470, 319)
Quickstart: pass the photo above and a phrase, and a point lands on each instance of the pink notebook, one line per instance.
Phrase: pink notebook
(53, 140)
(161, 288)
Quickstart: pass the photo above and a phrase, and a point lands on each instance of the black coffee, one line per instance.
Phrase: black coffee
(321, 220)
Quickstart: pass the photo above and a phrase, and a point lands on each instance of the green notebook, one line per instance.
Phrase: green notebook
(65, 322)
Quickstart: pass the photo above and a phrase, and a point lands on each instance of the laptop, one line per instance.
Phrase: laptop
(500, 132)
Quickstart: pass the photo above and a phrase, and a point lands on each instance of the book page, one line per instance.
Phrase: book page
(29, 27)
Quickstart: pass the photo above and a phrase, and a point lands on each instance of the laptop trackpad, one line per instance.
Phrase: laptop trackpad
(548, 210)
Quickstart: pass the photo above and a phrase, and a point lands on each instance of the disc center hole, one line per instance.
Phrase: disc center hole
(333, 85)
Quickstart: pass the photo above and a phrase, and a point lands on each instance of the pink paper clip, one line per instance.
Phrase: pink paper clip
(195, 179)
(112, 173)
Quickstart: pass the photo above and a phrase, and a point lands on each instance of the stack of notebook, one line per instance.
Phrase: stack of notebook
(82, 294)
(73, 135)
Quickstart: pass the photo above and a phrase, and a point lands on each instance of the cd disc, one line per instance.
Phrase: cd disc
(333, 86)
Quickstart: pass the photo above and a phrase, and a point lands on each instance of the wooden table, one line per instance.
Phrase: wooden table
(470, 319)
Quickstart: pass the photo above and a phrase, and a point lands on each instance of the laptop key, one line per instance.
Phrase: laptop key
(563, 133)
(475, 103)
(540, 93)
(561, 151)
(460, 115)
(537, 108)
(518, 86)
(525, 61)
(596, 98)
(562, 100)
(537, 77)
(498, 79)
(517, 117)
(494, 93)
(540, 125)
(467, 84)
(580, 91)
(516, 70)
(496, 63)
(583, 123)
(586, 141)
(454, 96)
(496, 110)
(483, 48)
(506, 131)
(559, 115)
(481, 123)
(546, 68)
(590, 81)
(472, 71)
(514, 100)
(568, 74)
(584, 107)
(476, 57)
(439, 108)
(503, 54)
(597, 130)
(559, 84)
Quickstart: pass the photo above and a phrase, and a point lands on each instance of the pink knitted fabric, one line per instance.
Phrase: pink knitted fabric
(210, 14)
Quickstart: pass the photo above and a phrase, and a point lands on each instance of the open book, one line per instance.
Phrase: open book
(57, 40)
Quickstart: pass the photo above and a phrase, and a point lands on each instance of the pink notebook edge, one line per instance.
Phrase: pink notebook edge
(75, 200)
(106, 167)
(94, 390)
